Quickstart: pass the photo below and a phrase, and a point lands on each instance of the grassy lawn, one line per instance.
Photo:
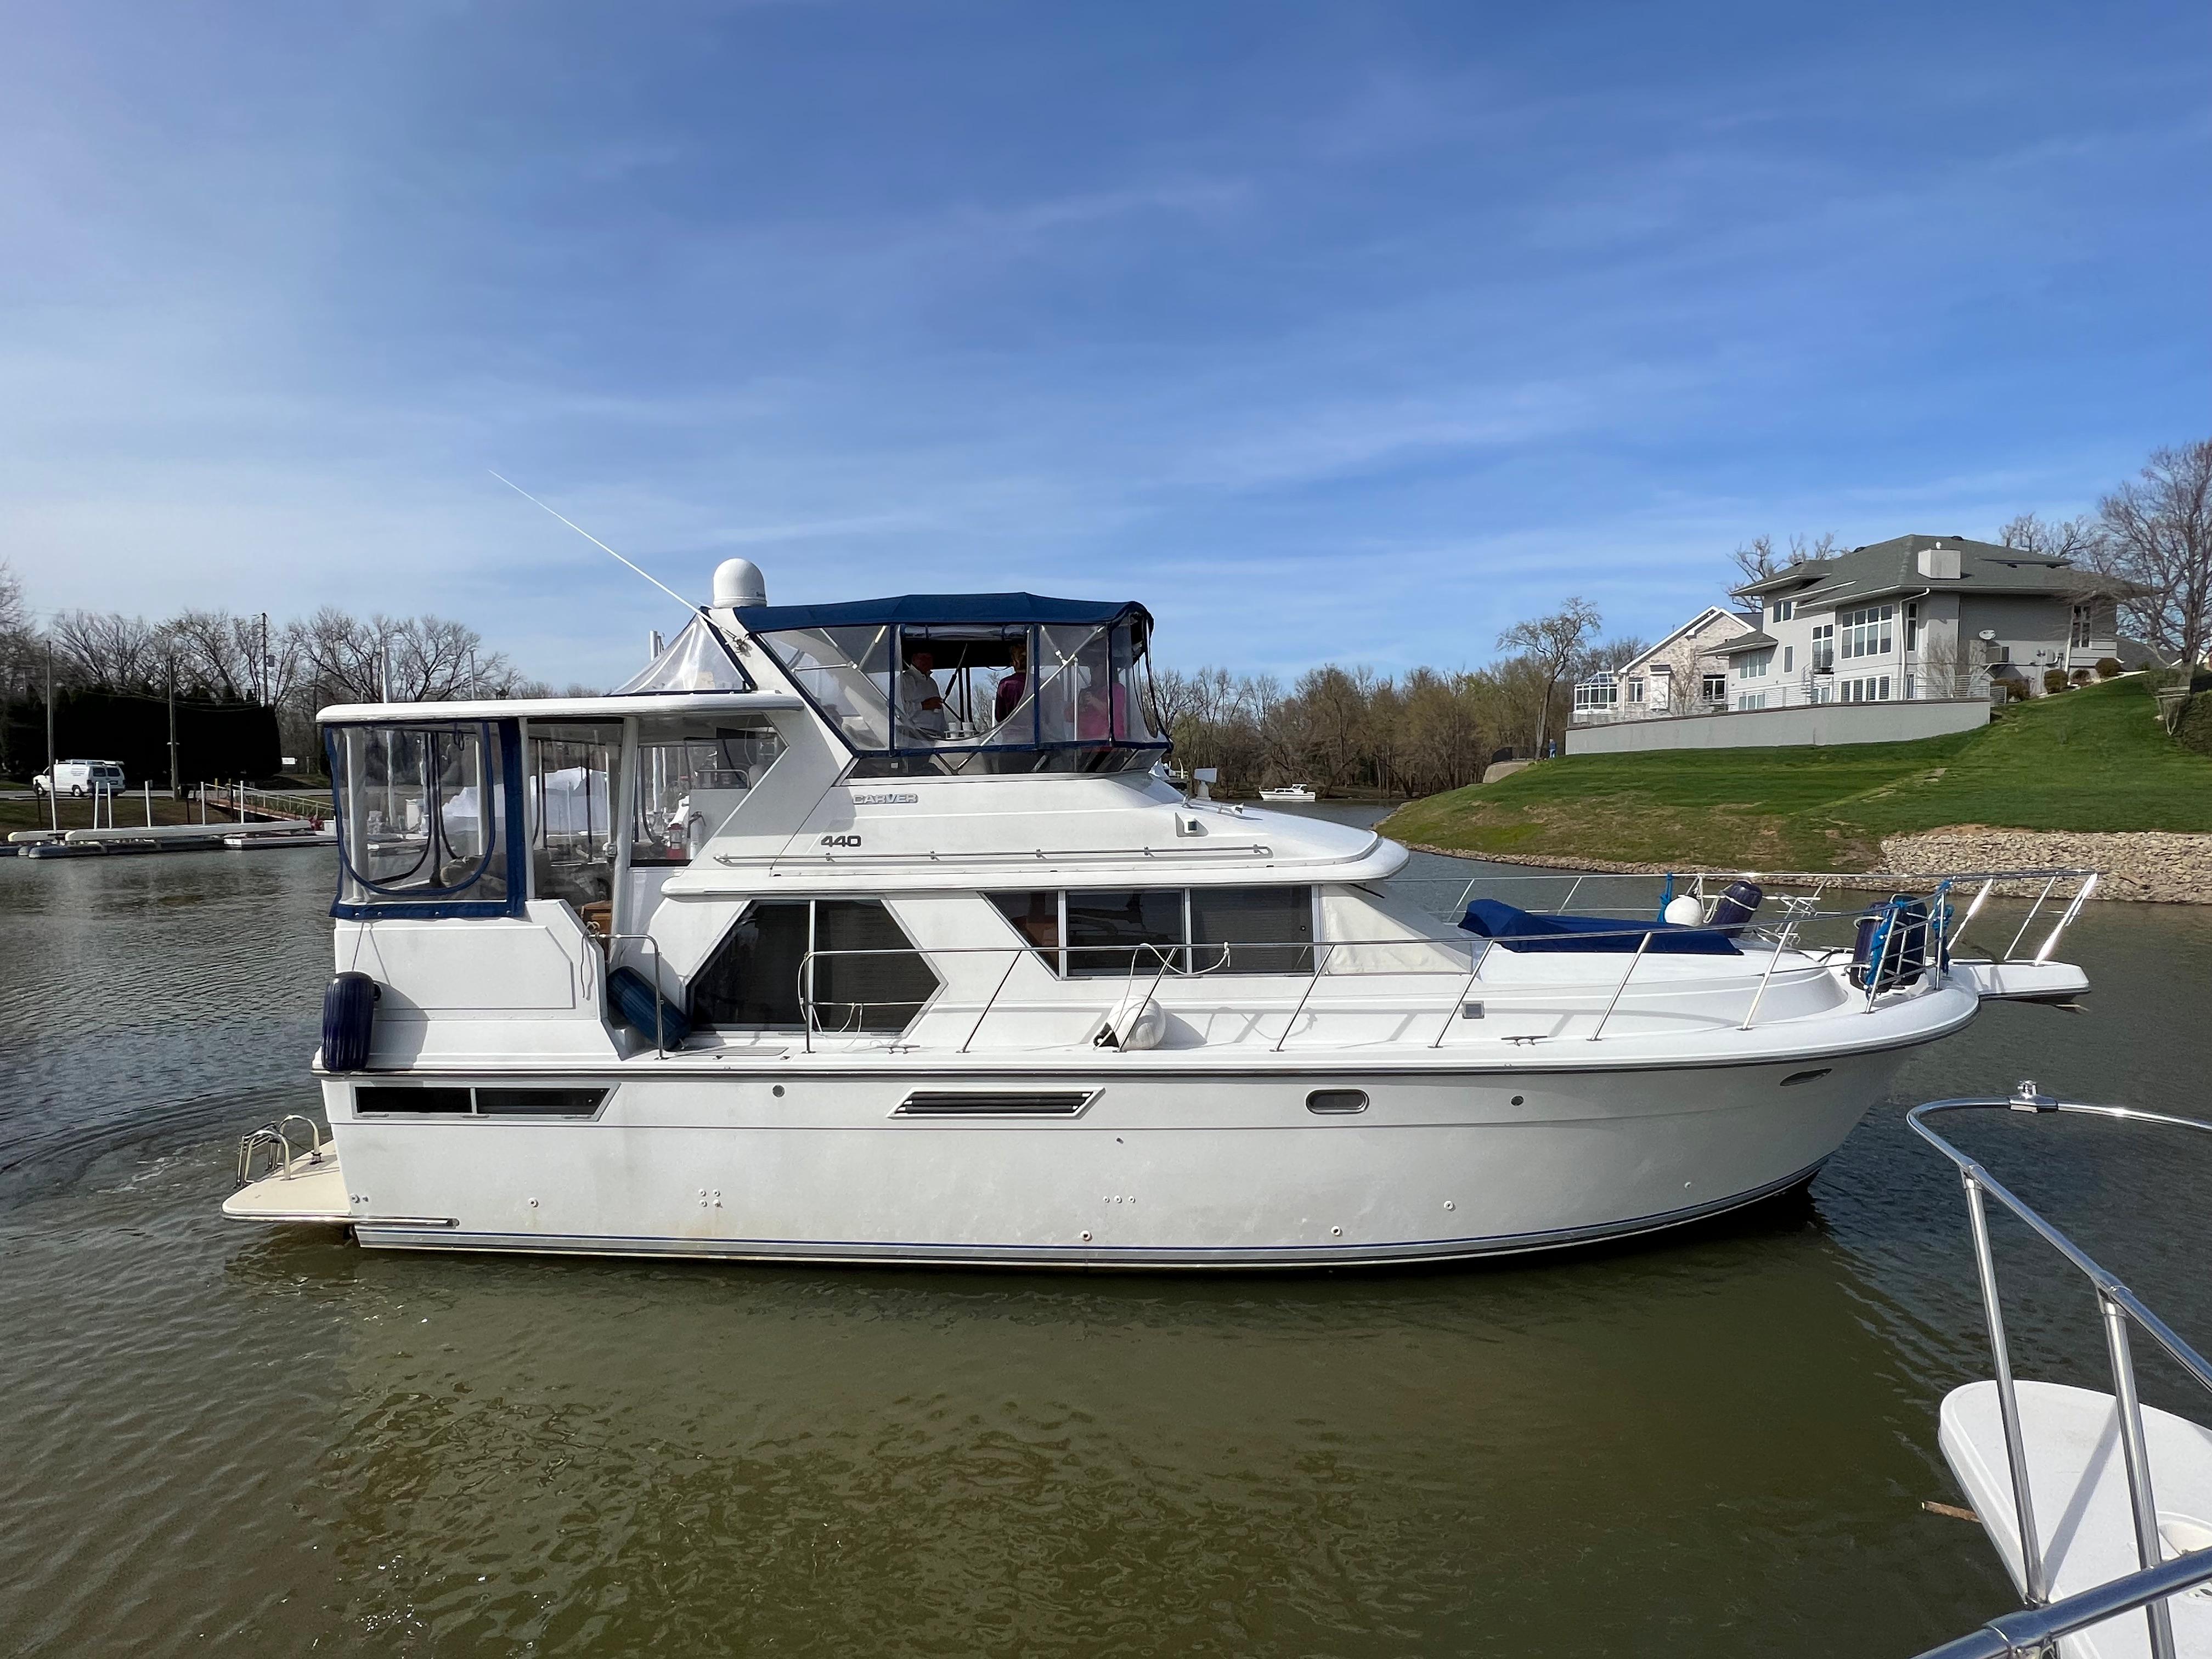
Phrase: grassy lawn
(2091, 759)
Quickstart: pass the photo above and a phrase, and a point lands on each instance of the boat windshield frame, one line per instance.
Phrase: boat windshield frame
(849, 662)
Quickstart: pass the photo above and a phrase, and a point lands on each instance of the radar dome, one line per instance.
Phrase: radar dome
(739, 581)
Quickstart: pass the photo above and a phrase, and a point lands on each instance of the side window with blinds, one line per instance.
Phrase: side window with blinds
(1252, 930)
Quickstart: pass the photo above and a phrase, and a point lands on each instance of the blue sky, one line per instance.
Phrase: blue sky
(1333, 331)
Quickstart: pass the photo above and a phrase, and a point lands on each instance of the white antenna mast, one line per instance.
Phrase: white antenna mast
(596, 543)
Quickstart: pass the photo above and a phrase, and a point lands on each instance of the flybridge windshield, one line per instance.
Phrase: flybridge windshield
(695, 660)
(939, 694)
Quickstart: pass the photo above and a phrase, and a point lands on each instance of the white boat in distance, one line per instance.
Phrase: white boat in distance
(1290, 791)
(876, 932)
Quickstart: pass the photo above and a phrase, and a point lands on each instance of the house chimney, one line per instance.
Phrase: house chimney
(1939, 563)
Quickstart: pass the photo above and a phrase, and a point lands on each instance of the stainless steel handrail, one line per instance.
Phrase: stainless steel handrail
(2029, 1634)
(1477, 947)
(2118, 1305)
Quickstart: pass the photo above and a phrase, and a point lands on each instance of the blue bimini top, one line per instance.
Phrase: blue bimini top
(927, 610)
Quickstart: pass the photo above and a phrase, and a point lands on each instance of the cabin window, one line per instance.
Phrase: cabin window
(402, 1100)
(570, 810)
(1133, 931)
(1114, 934)
(429, 818)
(1252, 930)
(846, 962)
(693, 776)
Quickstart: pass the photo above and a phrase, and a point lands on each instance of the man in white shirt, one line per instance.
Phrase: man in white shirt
(922, 705)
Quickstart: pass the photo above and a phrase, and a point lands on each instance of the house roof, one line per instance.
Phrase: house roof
(1893, 567)
(1752, 642)
(1710, 614)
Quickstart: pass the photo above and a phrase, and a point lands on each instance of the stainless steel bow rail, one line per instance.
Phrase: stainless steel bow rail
(1705, 886)
(2031, 1631)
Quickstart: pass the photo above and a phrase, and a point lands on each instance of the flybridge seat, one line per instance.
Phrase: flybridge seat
(1518, 930)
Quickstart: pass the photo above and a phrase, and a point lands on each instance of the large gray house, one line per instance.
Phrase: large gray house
(1917, 620)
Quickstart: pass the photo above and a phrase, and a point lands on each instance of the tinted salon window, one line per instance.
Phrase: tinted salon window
(1119, 933)
(753, 978)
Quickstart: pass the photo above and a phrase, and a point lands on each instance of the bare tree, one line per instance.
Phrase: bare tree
(2157, 539)
(1757, 559)
(2073, 539)
(106, 651)
(19, 640)
(1552, 644)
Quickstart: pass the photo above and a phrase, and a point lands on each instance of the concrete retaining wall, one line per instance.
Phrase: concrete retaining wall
(1780, 728)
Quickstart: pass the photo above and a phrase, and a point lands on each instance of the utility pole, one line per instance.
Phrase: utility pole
(53, 765)
(175, 791)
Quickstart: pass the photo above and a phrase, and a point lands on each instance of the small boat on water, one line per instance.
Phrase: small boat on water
(1290, 791)
(260, 841)
(2099, 1506)
(877, 932)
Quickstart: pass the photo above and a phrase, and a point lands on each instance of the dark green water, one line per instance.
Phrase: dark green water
(219, 1439)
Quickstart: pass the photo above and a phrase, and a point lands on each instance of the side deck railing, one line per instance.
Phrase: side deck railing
(2156, 1579)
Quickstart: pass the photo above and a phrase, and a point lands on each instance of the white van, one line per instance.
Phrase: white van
(80, 777)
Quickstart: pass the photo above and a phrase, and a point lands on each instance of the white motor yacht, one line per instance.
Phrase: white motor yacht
(876, 931)
(1290, 791)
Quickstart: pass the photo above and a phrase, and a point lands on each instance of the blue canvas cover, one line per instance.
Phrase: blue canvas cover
(922, 610)
(1517, 930)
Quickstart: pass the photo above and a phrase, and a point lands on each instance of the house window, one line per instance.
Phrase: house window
(1782, 610)
(1824, 647)
(1910, 694)
(1714, 688)
(1751, 700)
(1789, 658)
(1754, 665)
(1636, 690)
(1912, 627)
(2092, 622)
(1598, 693)
(1867, 631)
(1873, 687)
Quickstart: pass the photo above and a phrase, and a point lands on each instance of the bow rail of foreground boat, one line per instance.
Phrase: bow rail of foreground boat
(2072, 1459)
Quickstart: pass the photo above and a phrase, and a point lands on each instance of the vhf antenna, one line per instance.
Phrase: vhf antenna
(596, 543)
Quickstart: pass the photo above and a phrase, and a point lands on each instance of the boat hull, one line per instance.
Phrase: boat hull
(1187, 1171)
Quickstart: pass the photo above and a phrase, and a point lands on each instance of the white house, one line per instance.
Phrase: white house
(1916, 619)
(1685, 673)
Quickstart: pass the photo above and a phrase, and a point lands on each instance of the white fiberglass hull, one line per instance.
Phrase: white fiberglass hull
(1158, 1169)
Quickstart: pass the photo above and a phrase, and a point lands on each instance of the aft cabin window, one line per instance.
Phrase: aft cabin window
(693, 776)
(846, 963)
(1113, 934)
(429, 818)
